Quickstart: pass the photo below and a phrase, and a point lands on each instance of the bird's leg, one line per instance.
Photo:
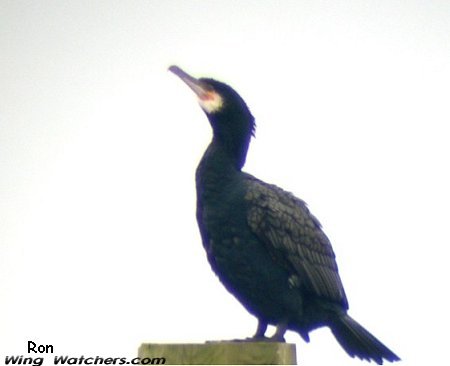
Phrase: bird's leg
(259, 335)
(279, 333)
(260, 330)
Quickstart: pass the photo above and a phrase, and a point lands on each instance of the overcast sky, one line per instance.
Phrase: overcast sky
(99, 248)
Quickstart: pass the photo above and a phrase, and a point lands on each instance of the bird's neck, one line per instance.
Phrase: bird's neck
(230, 147)
(217, 168)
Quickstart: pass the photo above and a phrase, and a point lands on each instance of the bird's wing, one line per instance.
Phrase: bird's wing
(294, 238)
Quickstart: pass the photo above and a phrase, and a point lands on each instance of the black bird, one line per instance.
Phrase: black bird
(262, 242)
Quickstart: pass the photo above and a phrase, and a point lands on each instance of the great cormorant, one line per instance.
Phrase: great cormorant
(263, 242)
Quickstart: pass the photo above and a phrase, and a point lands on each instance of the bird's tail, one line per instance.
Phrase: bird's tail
(357, 341)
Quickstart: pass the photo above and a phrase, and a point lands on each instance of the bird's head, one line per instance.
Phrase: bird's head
(231, 120)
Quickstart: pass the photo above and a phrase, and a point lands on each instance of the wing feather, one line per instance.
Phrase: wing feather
(294, 238)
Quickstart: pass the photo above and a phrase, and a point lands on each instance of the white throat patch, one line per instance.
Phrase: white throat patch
(211, 102)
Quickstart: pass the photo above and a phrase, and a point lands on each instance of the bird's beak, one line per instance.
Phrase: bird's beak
(200, 89)
(209, 99)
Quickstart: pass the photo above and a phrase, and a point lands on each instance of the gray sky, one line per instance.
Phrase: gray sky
(99, 248)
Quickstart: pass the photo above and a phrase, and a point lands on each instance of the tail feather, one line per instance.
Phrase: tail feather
(357, 341)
